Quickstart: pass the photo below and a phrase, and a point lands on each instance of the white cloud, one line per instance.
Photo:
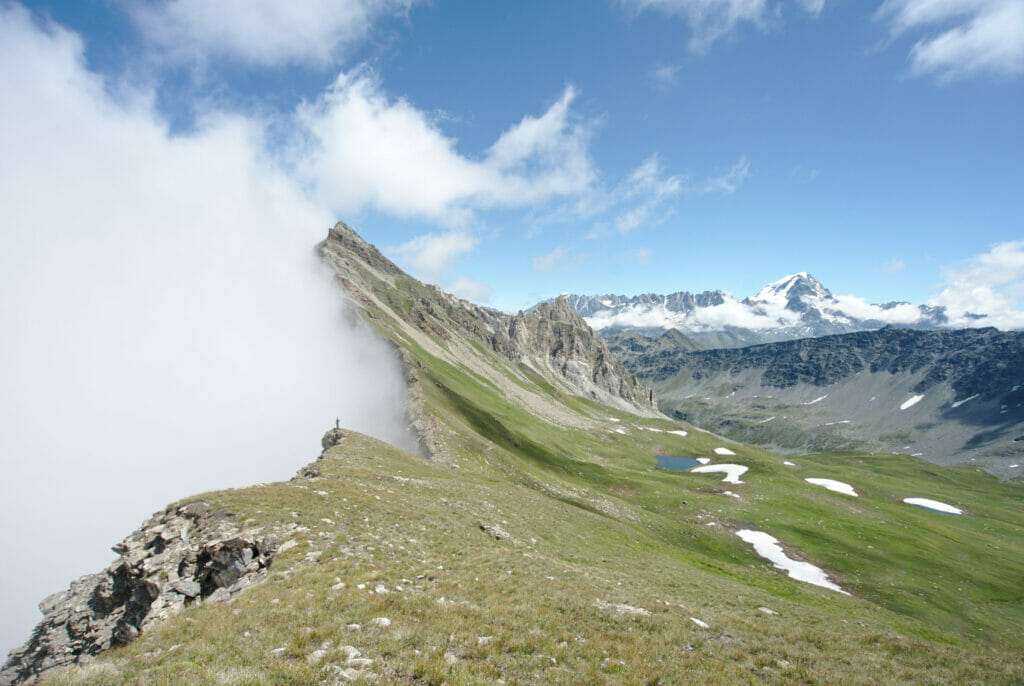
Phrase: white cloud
(431, 256)
(469, 289)
(855, 306)
(664, 77)
(990, 284)
(960, 38)
(813, 7)
(649, 189)
(710, 20)
(728, 182)
(167, 330)
(364, 150)
(266, 33)
(561, 259)
(648, 183)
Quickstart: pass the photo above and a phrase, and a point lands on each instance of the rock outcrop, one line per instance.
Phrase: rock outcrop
(183, 555)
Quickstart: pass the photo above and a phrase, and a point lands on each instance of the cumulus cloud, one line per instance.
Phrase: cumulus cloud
(432, 255)
(959, 38)
(710, 20)
(167, 330)
(362, 149)
(265, 33)
(562, 259)
(903, 313)
(990, 284)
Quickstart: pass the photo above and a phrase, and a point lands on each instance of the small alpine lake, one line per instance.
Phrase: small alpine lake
(676, 463)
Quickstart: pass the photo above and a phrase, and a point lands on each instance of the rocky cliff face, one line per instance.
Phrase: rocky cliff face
(553, 339)
(557, 335)
(184, 555)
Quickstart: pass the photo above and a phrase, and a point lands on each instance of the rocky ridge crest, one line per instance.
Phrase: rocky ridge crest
(183, 555)
(553, 340)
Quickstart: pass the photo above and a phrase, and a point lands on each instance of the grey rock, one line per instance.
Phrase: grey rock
(160, 569)
(496, 531)
(332, 438)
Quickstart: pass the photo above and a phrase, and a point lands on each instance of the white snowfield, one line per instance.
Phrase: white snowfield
(817, 400)
(680, 432)
(933, 505)
(723, 451)
(788, 463)
(705, 460)
(732, 471)
(910, 403)
(768, 547)
(833, 485)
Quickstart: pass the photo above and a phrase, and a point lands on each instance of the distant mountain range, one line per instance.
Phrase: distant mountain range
(796, 306)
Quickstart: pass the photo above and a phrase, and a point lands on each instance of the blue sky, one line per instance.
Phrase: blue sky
(688, 145)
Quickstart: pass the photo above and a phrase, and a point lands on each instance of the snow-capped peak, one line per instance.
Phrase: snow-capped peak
(794, 285)
(794, 306)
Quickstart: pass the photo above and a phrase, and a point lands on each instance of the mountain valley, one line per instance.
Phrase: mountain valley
(945, 396)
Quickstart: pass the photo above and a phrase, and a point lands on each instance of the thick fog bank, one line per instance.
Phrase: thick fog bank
(167, 327)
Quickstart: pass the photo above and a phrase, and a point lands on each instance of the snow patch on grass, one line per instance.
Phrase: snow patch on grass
(767, 546)
(833, 485)
(723, 451)
(732, 471)
(933, 505)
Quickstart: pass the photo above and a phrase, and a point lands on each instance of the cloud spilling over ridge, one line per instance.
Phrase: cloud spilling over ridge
(960, 38)
(259, 32)
(167, 328)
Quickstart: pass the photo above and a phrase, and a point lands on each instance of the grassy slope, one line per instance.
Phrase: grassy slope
(936, 599)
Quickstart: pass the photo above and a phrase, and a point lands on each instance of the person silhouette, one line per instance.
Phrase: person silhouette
(337, 423)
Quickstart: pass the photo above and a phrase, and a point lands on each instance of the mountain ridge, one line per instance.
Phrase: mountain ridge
(795, 306)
